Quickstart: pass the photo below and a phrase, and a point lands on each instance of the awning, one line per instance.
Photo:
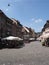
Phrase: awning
(12, 38)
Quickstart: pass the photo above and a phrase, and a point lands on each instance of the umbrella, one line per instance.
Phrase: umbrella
(12, 38)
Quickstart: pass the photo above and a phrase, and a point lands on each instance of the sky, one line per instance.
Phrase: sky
(30, 13)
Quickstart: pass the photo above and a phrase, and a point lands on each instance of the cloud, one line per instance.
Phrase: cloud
(41, 28)
(38, 20)
(17, 0)
(6, 9)
(33, 19)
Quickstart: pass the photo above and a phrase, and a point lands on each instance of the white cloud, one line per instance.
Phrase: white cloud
(6, 9)
(33, 19)
(38, 20)
(17, 0)
(41, 28)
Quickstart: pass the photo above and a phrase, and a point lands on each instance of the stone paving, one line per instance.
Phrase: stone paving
(31, 54)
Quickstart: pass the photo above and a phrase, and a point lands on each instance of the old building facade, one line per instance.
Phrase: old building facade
(12, 27)
(28, 32)
(9, 27)
(46, 25)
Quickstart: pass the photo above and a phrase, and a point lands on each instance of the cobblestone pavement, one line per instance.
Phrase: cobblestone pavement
(31, 54)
